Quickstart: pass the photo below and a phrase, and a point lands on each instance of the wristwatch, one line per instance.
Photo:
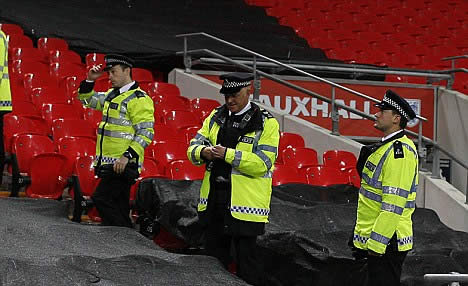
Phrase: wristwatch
(128, 155)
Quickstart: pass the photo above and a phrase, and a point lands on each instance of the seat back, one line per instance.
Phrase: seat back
(48, 94)
(283, 174)
(325, 176)
(185, 170)
(203, 106)
(288, 140)
(73, 128)
(165, 152)
(14, 125)
(339, 159)
(164, 105)
(25, 108)
(92, 115)
(300, 157)
(142, 75)
(11, 29)
(33, 80)
(48, 176)
(84, 171)
(27, 146)
(179, 119)
(52, 111)
(163, 89)
(25, 54)
(45, 45)
(64, 56)
(94, 59)
(74, 147)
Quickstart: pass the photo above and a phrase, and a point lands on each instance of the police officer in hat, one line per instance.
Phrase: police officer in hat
(383, 233)
(238, 143)
(126, 129)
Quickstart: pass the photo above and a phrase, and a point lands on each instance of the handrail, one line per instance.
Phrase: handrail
(335, 104)
(445, 278)
(455, 57)
(280, 64)
(435, 74)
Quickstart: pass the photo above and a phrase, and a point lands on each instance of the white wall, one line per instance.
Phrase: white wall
(452, 131)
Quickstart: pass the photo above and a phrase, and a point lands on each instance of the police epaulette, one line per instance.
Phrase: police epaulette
(139, 93)
(266, 113)
(398, 150)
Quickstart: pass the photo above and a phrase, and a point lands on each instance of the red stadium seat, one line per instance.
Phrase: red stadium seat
(325, 176)
(11, 29)
(25, 108)
(45, 45)
(288, 140)
(170, 103)
(64, 56)
(84, 172)
(283, 174)
(47, 182)
(164, 133)
(180, 119)
(190, 132)
(18, 41)
(142, 75)
(165, 152)
(102, 84)
(25, 54)
(59, 71)
(300, 157)
(51, 111)
(14, 125)
(21, 67)
(354, 178)
(27, 146)
(339, 159)
(72, 128)
(48, 94)
(75, 147)
(163, 89)
(33, 80)
(203, 106)
(185, 170)
(94, 59)
(92, 115)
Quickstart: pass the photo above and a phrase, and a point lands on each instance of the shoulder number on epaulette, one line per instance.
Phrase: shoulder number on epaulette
(266, 113)
(139, 93)
(398, 150)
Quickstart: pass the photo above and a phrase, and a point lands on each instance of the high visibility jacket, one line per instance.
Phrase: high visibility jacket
(387, 197)
(127, 121)
(252, 165)
(5, 93)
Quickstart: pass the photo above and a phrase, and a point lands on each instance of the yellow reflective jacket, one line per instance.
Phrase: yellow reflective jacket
(387, 197)
(5, 92)
(127, 121)
(252, 165)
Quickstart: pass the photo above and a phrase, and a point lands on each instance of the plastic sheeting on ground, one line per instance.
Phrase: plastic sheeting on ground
(40, 246)
(306, 240)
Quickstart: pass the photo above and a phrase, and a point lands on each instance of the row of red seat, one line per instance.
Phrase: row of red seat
(408, 34)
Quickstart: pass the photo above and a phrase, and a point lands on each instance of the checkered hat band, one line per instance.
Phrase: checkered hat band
(113, 61)
(228, 84)
(398, 107)
(250, 210)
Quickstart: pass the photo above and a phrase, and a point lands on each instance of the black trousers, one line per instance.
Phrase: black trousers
(2, 147)
(111, 198)
(228, 248)
(382, 270)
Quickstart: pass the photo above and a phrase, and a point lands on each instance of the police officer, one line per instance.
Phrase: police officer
(5, 94)
(126, 129)
(383, 234)
(238, 142)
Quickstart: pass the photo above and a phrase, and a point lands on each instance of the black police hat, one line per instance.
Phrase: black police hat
(393, 101)
(233, 82)
(114, 59)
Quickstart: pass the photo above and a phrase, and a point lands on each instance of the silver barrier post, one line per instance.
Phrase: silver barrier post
(435, 162)
(335, 117)
(187, 58)
(421, 149)
(257, 83)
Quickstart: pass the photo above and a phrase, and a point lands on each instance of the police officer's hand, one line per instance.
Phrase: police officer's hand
(218, 151)
(207, 153)
(95, 72)
(119, 165)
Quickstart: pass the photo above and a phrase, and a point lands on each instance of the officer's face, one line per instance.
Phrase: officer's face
(386, 119)
(119, 76)
(237, 101)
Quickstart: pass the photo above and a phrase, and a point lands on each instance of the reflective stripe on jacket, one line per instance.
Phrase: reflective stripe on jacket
(5, 92)
(387, 197)
(127, 121)
(252, 166)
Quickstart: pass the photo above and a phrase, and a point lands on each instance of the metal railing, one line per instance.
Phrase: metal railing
(334, 105)
(453, 278)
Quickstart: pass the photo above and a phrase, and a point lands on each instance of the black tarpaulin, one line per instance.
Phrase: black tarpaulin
(306, 240)
(40, 246)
